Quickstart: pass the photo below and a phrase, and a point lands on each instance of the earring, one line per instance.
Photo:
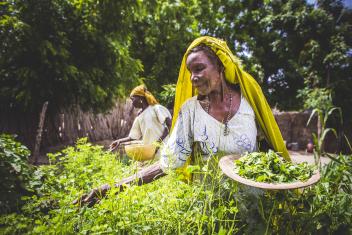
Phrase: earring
(195, 79)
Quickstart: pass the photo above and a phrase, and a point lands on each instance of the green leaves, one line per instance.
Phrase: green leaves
(167, 96)
(210, 204)
(50, 48)
(16, 174)
(271, 168)
(316, 98)
(161, 37)
(165, 206)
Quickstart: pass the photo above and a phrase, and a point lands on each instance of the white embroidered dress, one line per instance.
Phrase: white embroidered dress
(149, 125)
(194, 124)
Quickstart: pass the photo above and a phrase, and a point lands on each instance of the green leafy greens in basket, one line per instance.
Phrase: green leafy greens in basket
(271, 168)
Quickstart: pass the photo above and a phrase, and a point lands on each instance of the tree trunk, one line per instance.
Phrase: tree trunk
(38, 137)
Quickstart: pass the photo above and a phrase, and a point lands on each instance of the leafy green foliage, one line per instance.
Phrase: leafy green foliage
(161, 37)
(51, 48)
(166, 206)
(167, 96)
(210, 204)
(323, 130)
(271, 168)
(92, 51)
(287, 45)
(322, 209)
(16, 175)
(317, 98)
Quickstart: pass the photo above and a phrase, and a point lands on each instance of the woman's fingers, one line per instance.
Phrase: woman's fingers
(90, 196)
(79, 200)
(93, 197)
(112, 148)
(114, 145)
(85, 198)
(95, 194)
(92, 202)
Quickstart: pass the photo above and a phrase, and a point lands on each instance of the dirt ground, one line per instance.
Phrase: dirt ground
(303, 156)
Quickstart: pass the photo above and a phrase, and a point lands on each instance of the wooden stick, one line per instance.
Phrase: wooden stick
(38, 137)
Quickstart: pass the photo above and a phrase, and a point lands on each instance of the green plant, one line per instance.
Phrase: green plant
(15, 173)
(270, 167)
(62, 48)
(210, 204)
(320, 209)
(166, 206)
(319, 137)
(316, 98)
(167, 96)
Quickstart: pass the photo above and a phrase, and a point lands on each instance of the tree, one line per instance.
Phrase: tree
(288, 45)
(161, 38)
(65, 52)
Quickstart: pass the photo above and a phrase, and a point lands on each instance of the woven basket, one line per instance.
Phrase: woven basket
(227, 165)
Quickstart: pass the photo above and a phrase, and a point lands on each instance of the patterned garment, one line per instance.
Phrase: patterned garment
(194, 124)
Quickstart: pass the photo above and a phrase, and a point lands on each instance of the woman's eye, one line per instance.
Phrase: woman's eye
(198, 69)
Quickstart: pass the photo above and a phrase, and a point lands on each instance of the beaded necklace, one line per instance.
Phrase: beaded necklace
(227, 118)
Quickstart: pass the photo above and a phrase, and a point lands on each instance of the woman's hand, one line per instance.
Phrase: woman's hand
(144, 176)
(114, 145)
(93, 197)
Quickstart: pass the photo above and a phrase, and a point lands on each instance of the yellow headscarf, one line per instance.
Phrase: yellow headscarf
(233, 74)
(141, 90)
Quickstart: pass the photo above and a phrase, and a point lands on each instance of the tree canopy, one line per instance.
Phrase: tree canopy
(290, 45)
(89, 52)
(65, 52)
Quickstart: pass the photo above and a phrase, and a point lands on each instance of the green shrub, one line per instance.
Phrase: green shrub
(167, 96)
(211, 204)
(168, 205)
(321, 209)
(15, 173)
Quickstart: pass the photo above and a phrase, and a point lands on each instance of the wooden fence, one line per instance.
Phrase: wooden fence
(66, 126)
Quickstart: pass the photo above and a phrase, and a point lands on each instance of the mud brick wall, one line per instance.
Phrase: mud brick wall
(293, 126)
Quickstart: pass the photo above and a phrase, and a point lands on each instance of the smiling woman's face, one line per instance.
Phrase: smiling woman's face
(205, 74)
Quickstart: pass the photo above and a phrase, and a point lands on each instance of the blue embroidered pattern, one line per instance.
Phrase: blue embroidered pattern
(182, 145)
(206, 146)
(244, 142)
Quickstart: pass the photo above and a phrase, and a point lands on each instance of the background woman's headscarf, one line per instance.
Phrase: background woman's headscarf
(233, 74)
(141, 90)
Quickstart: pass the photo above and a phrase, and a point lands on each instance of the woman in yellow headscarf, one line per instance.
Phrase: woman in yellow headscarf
(153, 121)
(217, 106)
(223, 116)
